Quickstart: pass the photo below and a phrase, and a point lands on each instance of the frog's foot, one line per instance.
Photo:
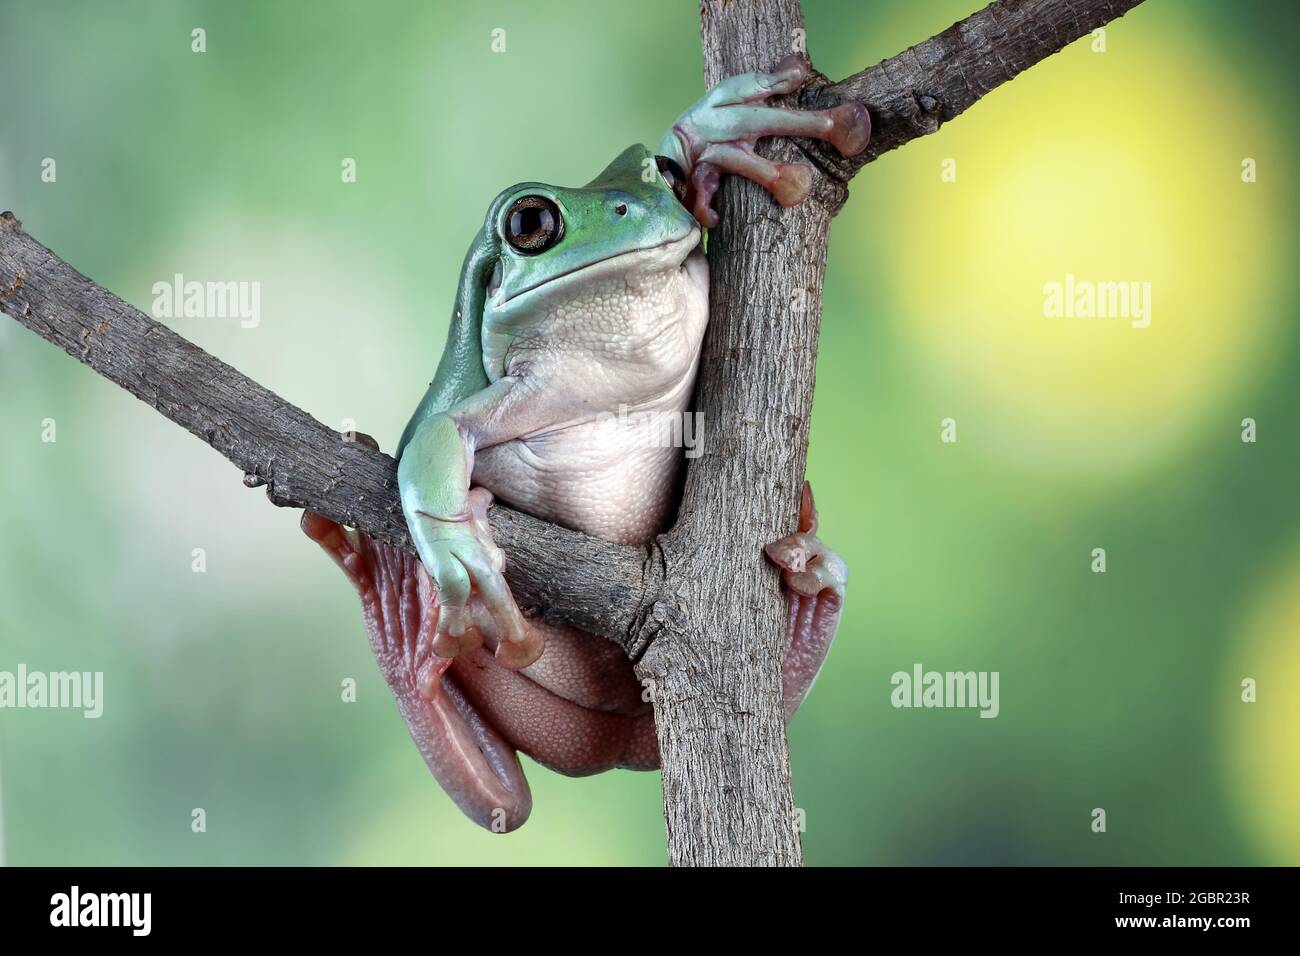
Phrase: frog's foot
(475, 599)
(815, 577)
(472, 761)
(577, 710)
(718, 133)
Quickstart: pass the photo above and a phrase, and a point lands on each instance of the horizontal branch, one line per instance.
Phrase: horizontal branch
(302, 462)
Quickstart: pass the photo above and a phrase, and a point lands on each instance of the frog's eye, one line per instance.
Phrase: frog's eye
(674, 176)
(533, 224)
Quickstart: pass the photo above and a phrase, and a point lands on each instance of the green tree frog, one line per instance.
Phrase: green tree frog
(576, 330)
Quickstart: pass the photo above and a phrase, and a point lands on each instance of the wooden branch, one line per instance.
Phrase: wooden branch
(917, 91)
(303, 463)
(717, 678)
(699, 610)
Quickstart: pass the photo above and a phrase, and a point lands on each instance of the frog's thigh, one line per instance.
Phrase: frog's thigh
(555, 731)
(595, 674)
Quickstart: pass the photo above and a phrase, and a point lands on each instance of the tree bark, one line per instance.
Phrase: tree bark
(716, 666)
(716, 669)
(699, 611)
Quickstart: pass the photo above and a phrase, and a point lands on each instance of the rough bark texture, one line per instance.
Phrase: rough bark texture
(700, 610)
(717, 667)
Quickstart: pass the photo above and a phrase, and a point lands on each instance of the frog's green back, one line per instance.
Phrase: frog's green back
(460, 370)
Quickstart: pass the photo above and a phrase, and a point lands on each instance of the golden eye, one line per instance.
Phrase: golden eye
(533, 224)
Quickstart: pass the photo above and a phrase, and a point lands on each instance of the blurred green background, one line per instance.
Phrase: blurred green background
(1118, 690)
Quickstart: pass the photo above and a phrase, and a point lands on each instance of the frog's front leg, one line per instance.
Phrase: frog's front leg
(452, 536)
(718, 133)
(814, 577)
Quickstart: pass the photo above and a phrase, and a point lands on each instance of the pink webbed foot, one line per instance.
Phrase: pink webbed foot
(475, 765)
(815, 579)
(577, 708)
(718, 134)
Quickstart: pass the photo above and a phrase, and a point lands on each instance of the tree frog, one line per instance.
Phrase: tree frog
(577, 328)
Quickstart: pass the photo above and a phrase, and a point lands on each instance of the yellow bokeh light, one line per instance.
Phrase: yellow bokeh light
(1095, 166)
(1262, 739)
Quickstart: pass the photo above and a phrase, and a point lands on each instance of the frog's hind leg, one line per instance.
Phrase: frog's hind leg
(477, 767)
(814, 577)
(578, 710)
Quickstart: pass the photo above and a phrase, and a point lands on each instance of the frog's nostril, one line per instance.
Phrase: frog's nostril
(621, 209)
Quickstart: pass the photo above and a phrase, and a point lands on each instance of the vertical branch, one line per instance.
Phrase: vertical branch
(717, 672)
(716, 665)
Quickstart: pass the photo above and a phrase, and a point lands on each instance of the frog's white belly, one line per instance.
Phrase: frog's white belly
(623, 351)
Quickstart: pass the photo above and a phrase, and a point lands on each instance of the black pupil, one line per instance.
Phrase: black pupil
(533, 224)
(526, 222)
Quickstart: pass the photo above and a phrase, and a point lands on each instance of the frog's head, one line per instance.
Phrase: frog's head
(552, 239)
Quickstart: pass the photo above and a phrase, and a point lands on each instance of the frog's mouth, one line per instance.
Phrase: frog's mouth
(665, 255)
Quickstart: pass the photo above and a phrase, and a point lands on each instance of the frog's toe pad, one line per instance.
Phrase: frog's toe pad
(517, 654)
(807, 566)
(448, 645)
(850, 128)
(792, 183)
